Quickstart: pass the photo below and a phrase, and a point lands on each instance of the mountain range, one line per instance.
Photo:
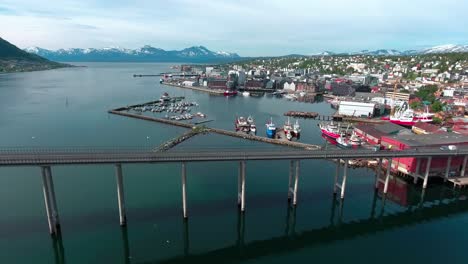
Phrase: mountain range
(144, 54)
(449, 48)
(13, 59)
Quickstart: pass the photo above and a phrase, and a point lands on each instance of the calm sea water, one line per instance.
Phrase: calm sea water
(68, 107)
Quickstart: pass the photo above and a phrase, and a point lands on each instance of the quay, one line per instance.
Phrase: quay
(197, 88)
(46, 158)
(302, 114)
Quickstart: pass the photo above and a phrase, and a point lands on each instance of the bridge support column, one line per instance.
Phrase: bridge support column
(120, 194)
(447, 170)
(239, 185)
(53, 201)
(462, 174)
(337, 174)
(345, 175)
(378, 173)
(296, 182)
(184, 194)
(426, 174)
(290, 183)
(418, 166)
(387, 177)
(47, 201)
(243, 186)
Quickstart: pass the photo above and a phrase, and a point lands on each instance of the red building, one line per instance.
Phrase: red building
(438, 165)
(217, 84)
(253, 84)
(372, 133)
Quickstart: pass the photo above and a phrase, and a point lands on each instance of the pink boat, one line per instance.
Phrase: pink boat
(330, 130)
(408, 117)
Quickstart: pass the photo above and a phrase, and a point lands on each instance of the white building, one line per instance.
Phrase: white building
(289, 86)
(449, 92)
(357, 109)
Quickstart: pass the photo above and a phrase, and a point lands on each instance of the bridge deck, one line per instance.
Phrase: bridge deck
(82, 156)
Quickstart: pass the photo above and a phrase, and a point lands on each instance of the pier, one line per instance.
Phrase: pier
(219, 131)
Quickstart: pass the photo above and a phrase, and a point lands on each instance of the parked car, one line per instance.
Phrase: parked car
(449, 147)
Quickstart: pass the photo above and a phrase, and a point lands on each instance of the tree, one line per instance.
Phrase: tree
(436, 120)
(437, 106)
(415, 104)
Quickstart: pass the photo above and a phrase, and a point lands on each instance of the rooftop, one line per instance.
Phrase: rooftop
(431, 139)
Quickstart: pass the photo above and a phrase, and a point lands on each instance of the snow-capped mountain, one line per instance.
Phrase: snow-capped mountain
(449, 48)
(146, 53)
(380, 52)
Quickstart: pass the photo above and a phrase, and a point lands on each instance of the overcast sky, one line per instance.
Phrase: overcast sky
(248, 27)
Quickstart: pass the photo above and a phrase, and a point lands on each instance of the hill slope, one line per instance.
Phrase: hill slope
(13, 59)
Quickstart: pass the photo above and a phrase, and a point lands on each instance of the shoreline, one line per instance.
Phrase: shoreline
(206, 90)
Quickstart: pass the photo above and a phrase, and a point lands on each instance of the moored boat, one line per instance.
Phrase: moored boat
(270, 129)
(330, 130)
(348, 142)
(245, 93)
(296, 129)
(241, 124)
(230, 92)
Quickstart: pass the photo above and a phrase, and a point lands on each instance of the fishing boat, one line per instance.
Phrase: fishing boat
(241, 124)
(251, 123)
(348, 142)
(404, 116)
(296, 129)
(330, 130)
(230, 92)
(287, 127)
(245, 94)
(270, 129)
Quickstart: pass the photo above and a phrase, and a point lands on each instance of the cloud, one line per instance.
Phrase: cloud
(249, 28)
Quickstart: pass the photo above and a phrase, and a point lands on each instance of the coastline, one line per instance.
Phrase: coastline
(206, 90)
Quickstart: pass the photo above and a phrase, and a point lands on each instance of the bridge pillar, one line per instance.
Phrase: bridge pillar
(184, 194)
(239, 185)
(447, 170)
(337, 174)
(53, 201)
(378, 173)
(387, 177)
(462, 174)
(426, 174)
(345, 175)
(47, 200)
(418, 166)
(296, 182)
(243, 186)
(120, 194)
(290, 184)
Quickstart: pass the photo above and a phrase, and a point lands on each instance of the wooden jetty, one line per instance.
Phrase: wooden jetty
(301, 114)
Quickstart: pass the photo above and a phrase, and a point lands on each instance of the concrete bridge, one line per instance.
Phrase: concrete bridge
(47, 157)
